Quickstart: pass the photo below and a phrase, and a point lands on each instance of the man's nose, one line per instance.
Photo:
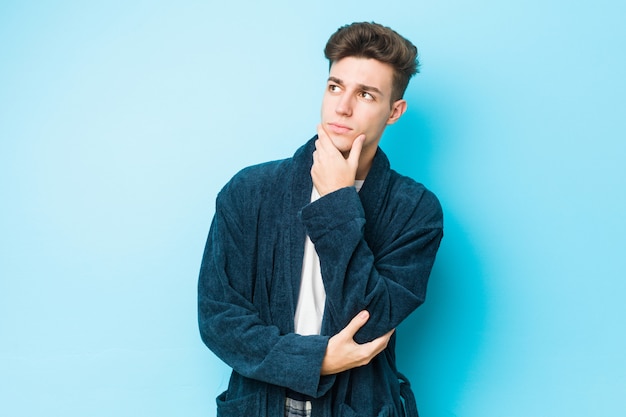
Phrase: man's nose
(344, 105)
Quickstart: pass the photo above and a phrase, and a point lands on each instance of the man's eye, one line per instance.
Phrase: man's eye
(367, 95)
(333, 88)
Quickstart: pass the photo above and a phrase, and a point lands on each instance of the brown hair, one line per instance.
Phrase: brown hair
(372, 40)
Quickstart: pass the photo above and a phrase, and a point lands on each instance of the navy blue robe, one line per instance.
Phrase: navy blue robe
(376, 250)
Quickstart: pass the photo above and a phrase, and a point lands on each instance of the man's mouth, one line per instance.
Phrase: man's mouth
(338, 128)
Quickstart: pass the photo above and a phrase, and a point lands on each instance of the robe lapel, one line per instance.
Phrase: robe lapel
(299, 188)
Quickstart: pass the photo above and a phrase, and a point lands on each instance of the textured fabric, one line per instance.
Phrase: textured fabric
(410, 407)
(376, 251)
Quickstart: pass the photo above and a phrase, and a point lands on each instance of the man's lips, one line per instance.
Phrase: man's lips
(338, 128)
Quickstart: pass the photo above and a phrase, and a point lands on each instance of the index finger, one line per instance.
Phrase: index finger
(323, 135)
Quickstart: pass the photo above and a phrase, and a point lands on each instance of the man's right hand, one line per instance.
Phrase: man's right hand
(343, 353)
(331, 169)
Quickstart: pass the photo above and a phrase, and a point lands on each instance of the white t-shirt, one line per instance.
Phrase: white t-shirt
(312, 298)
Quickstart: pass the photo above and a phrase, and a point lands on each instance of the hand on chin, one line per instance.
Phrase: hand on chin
(343, 143)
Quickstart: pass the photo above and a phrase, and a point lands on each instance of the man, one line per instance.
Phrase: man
(311, 262)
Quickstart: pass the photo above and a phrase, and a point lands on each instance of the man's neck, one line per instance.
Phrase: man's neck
(365, 162)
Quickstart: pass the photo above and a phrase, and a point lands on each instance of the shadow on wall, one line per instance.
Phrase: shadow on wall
(438, 344)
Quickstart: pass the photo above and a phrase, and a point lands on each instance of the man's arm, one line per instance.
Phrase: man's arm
(391, 286)
(342, 352)
(233, 328)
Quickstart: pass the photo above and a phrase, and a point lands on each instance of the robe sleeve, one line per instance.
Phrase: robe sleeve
(390, 284)
(232, 327)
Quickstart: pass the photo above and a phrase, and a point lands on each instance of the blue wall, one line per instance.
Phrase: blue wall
(120, 122)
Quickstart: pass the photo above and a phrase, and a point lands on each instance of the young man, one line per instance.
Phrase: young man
(312, 261)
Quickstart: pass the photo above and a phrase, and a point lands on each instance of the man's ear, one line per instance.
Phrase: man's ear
(397, 109)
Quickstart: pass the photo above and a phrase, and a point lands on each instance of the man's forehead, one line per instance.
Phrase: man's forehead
(362, 71)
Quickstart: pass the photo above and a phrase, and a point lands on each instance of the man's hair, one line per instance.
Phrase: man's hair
(374, 41)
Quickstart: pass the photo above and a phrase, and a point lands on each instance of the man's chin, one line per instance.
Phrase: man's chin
(343, 144)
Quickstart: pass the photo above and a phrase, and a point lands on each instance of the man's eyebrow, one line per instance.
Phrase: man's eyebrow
(362, 87)
(335, 80)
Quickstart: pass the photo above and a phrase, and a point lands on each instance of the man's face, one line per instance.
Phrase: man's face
(358, 100)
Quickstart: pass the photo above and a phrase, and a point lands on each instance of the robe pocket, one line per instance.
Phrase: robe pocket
(346, 411)
(248, 405)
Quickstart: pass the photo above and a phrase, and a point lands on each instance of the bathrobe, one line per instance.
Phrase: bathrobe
(376, 249)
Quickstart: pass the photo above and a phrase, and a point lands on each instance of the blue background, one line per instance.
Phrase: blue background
(120, 121)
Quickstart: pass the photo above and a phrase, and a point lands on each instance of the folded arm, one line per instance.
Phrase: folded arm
(390, 284)
(232, 327)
